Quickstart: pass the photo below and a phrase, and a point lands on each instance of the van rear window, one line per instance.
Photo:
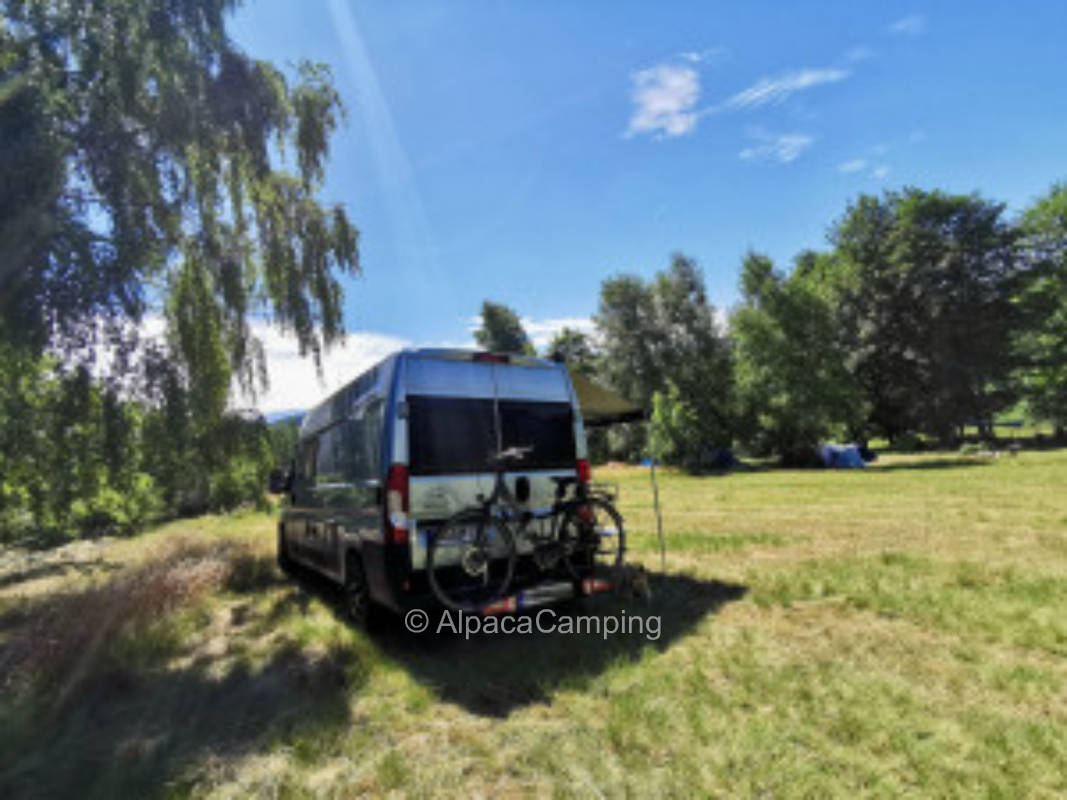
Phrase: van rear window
(457, 435)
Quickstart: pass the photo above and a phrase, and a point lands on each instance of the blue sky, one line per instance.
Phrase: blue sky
(525, 151)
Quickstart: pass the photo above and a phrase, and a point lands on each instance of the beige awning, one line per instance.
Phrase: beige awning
(601, 405)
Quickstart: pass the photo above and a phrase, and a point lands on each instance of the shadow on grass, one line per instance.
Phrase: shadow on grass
(132, 735)
(938, 463)
(33, 572)
(494, 674)
(127, 711)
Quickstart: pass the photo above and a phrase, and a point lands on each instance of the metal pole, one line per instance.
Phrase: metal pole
(655, 502)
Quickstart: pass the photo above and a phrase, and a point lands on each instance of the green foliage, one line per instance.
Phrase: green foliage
(574, 348)
(675, 429)
(502, 331)
(909, 442)
(146, 150)
(70, 453)
(925, 284)
(284, 435)
(660, 332)
(151, 168)
(78, 460)
(794, 389)
(1041, 345)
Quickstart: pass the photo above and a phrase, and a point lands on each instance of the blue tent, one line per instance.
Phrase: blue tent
(841, 456)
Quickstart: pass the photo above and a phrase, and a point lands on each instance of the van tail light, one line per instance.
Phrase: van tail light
(396, 504)
(491, 358)
(585, 474)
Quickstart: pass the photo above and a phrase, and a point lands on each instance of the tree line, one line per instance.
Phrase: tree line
(927, 313)
(154, 176)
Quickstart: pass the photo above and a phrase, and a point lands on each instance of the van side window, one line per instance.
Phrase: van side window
(305, 463)
(334, 456)
(348, 450)
(366, 426)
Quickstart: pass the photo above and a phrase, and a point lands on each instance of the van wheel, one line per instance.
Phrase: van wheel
(285, 563)
(358, 607)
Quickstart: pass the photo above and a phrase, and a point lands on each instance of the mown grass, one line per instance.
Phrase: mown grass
(900, 630)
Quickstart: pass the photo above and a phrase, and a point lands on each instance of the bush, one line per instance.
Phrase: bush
(112, 510)
(909, 443)
(240, 482)
(676, 430)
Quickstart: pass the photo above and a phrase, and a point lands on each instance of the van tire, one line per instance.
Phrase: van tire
(356, 603)
(285, 563)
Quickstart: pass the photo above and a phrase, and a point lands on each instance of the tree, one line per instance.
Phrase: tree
(1042, 343)
(502, 331)
(151, 168)
(794, 389)
(143, 164)
(927, 284)
(575, 349)
(693, 350)
(666, 331)
(626, 321)
(675, 429)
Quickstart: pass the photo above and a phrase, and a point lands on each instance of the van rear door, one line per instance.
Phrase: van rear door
(460, 413)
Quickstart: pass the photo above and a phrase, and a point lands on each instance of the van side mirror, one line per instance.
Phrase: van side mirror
(280, 482)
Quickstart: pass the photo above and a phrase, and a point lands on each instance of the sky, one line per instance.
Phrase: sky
(524, 152)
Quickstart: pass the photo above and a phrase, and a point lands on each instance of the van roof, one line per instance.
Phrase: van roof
(461, 354)
(340, 402)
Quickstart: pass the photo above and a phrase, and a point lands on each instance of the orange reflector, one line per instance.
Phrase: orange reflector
(594, 585)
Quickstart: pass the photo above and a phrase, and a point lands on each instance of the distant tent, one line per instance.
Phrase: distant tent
(842, 456)
(600, 405)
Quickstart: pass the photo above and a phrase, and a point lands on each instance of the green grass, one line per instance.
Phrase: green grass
(900, 630)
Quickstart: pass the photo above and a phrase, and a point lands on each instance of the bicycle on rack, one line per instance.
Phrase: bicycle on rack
(471, 559)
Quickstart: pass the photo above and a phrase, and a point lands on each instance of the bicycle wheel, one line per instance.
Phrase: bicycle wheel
(470, 560)
(593, 538)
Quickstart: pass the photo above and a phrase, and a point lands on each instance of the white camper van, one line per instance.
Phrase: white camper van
(384, 461)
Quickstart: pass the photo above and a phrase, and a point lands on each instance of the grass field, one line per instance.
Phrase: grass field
(898, 630)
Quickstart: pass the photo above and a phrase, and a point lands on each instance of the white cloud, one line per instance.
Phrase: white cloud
(783, 148)
(911, 25)
(881, 171)
(707, 54)
(293, 381)
(855, 165)
(859, 53)
(541, 331)
(778, 90)
(664, 98)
